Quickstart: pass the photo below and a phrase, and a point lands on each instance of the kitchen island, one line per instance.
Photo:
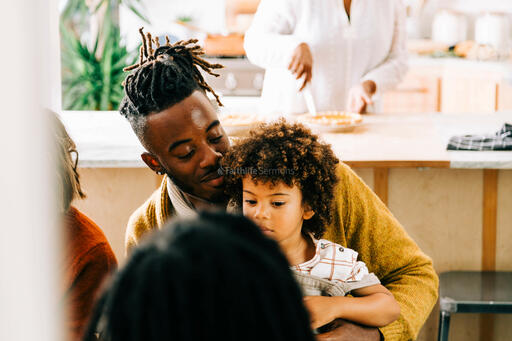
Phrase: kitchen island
(456, 205)
(105, 140)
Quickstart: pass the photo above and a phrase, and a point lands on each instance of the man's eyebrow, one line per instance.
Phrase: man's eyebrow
(213, 124)
(177, 143)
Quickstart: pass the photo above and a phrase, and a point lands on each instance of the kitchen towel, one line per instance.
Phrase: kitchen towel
(501, 140)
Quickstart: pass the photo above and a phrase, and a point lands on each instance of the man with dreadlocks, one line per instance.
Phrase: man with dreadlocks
(166, 105)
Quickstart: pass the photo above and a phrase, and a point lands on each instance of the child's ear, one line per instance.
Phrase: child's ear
(308, 212)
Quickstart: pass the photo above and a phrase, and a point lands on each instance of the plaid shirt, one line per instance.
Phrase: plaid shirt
(333, 262)
(501, 140)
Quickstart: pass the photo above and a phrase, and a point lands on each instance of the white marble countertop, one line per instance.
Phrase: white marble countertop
(421, 138)
(105, 139)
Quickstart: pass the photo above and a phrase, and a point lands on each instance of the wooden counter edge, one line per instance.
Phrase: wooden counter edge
(398, 164)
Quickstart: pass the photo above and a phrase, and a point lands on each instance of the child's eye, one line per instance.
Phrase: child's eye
(250, 202)
(278, 203)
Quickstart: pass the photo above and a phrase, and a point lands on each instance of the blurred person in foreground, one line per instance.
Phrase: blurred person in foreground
(88, 255)
(166, 104)
(213, 277)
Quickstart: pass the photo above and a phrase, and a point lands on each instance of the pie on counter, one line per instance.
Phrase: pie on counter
(332, 121)
(236, 120)
(235, 124)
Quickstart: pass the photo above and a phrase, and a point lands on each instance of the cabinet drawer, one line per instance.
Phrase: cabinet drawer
(504, 100)
(471, 91)
(417, 93)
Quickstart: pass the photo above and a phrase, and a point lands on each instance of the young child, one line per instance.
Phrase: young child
(284, 178)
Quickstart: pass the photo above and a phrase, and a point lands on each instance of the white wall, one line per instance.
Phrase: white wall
(476, 6)
(208, 15)
(29, 238)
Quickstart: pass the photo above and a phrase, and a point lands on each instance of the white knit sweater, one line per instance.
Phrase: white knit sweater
(371, 45)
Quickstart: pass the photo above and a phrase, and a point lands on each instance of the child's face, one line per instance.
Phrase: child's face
(277, 210)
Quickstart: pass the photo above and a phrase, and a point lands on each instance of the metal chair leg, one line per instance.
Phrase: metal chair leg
(444, 326)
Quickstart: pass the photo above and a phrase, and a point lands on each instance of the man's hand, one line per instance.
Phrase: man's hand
(360, 96)
(301, 64)
(322, 310)
(342, 330)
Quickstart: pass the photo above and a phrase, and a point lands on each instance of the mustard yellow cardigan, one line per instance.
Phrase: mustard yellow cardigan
(361, 222)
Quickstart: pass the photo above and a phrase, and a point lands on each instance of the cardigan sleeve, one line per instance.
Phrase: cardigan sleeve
(393, 69)
(269, 41)
(367, 226)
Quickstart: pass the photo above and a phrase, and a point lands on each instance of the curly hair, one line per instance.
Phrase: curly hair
(212, 276)
(282, 152)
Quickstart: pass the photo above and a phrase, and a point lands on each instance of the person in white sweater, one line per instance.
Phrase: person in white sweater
(346, 52)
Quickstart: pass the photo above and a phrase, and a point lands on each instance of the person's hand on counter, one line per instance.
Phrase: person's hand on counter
(360, 96)
(301, 64)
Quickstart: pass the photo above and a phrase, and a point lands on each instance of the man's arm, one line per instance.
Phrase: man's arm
(363, 223)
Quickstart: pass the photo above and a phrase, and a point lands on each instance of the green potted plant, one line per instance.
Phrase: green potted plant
(92, 69)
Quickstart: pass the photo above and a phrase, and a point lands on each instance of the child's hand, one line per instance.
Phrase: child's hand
(322, 310)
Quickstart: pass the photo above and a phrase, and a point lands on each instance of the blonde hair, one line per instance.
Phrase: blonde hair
(68, 179)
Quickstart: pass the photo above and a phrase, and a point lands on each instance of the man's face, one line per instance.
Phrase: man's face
(186, 141)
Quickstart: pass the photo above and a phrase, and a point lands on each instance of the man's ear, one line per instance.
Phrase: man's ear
(151, 161)
(308, 212)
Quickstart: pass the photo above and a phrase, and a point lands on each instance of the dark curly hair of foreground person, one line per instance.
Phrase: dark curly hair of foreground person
(213, 277)
(288, 153)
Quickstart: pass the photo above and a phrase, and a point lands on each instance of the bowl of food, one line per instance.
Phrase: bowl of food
(332, 121)
(236, 124)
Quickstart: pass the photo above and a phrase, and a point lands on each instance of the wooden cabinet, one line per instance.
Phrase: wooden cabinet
(418, 92)
(504, 99)
(450, 88)
(469, 91)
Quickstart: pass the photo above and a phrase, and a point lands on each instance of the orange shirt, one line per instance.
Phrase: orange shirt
(89, 259)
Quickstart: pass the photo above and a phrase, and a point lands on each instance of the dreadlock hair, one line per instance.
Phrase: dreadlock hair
(282, 152)
(162, 78)
(68, 179)
(212, 277)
